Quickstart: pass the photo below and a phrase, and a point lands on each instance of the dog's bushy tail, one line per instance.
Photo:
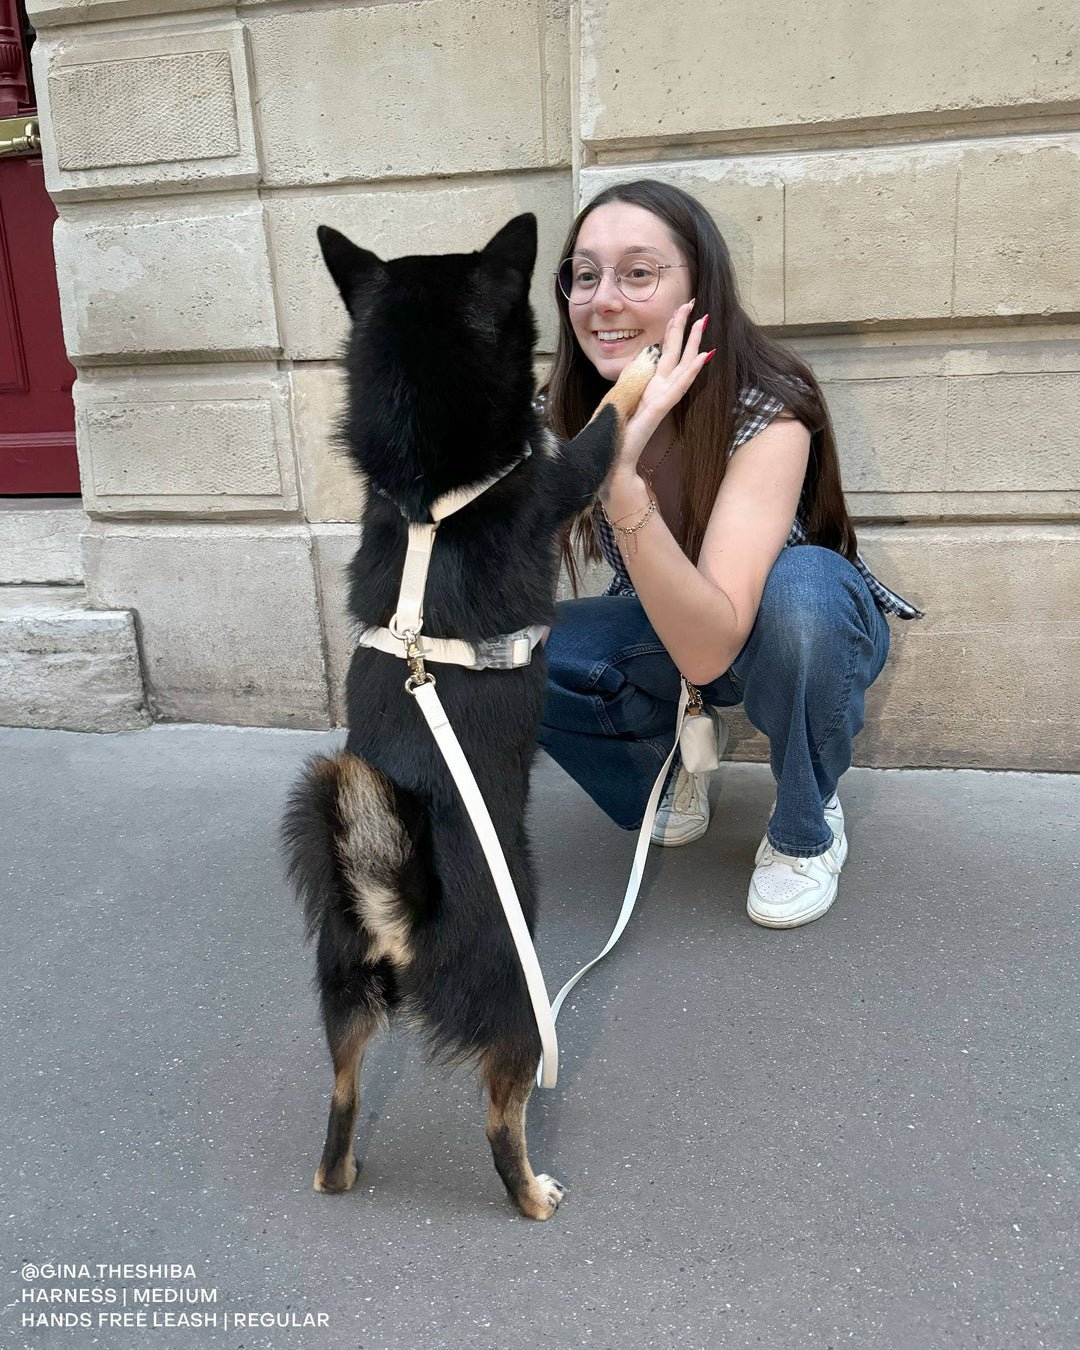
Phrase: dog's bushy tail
(345, 849)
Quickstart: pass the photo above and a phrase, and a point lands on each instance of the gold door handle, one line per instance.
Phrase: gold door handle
(19, 134)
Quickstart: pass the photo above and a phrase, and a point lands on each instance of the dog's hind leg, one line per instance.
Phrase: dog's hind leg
(348, 1037)
(536, 1196)
(351, 859)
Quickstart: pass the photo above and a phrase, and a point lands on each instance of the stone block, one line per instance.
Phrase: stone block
(1018, 229)
(869, 236)
(332, 488)
(193, 444)
(450, 218)
(955, 230)
(953, 424)
(408, 91)
(167, 109)
(181, 280)
(228, 618)
(911, 353)
(67, 666)
(593, 580)
(731, 69)
(988, 679)
(745, 196)
(46, 14)
(1014, 433)
(891, 433)
(40, 541)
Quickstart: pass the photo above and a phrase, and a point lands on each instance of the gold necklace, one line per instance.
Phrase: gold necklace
(648, 473)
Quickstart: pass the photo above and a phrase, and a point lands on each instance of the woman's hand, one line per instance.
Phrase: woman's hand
(675, 373)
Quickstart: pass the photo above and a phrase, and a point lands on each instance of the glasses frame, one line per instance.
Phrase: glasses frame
(610, 267)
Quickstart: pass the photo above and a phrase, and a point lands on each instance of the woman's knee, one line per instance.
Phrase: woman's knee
(812, 607)
(593, 636)
(571, 648)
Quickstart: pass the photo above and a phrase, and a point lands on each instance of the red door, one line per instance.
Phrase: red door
(37, 419)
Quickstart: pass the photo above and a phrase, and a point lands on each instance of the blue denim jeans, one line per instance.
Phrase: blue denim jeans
(817, 645)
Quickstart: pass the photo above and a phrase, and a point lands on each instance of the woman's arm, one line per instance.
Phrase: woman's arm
(703, 615)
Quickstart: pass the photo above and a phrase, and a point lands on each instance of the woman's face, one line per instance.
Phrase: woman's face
(610, 328)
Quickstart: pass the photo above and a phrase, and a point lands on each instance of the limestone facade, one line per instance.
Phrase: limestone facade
(903, 206)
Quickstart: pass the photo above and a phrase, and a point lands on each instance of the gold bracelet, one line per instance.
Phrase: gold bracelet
(615, 522)
(628, 542)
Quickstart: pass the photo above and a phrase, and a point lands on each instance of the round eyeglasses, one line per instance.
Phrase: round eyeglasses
(636, 277)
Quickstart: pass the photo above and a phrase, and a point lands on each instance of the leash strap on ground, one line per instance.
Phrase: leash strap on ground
(445, 738)
(638, 868)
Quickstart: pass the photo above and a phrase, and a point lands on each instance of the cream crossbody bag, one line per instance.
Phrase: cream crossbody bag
(699, 745)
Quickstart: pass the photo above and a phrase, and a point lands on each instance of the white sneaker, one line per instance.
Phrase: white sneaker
(683, 813)
(834, 818)
(785, 891)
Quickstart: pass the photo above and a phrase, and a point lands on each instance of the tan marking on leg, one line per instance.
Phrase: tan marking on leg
(337, 1167)
(627, 390)
(536, 1196)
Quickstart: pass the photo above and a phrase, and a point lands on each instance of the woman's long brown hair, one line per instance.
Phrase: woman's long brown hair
(707, 418)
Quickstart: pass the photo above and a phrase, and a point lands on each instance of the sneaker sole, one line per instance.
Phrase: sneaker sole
(822, 907)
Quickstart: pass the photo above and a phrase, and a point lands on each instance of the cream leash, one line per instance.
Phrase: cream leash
(402, 638)
(422, 688)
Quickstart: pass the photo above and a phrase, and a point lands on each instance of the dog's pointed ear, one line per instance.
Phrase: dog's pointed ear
(514, 246)
(351, 267)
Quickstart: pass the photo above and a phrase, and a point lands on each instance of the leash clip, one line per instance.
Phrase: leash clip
(418, 675)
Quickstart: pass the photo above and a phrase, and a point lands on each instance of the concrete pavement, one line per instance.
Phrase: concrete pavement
(864, 1132)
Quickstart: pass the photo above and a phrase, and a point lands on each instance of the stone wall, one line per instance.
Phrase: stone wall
(899, 189)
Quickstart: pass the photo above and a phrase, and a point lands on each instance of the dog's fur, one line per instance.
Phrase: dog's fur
(380, 847)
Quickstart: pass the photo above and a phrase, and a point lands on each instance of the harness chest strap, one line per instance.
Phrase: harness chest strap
(506, 652)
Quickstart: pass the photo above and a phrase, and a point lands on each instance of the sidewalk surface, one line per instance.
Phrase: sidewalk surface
(864, 1132)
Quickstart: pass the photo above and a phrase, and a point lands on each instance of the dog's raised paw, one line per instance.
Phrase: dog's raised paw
(642, 366)
(631, 383)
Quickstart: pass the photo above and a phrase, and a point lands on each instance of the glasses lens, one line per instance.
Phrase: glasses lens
(579, 277)
(638, 278)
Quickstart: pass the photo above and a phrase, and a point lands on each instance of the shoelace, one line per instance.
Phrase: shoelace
(686, 795)
(800, 865)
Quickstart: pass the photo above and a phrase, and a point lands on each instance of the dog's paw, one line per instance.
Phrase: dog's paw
(631, 383)
(544, 1198)
(338, 1179)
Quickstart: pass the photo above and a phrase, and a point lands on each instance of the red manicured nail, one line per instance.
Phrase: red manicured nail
(704, 323)
(709, 357)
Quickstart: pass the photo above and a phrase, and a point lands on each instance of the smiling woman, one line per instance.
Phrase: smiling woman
(708, 580)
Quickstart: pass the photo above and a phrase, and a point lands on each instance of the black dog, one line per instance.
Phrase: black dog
(379, 844)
